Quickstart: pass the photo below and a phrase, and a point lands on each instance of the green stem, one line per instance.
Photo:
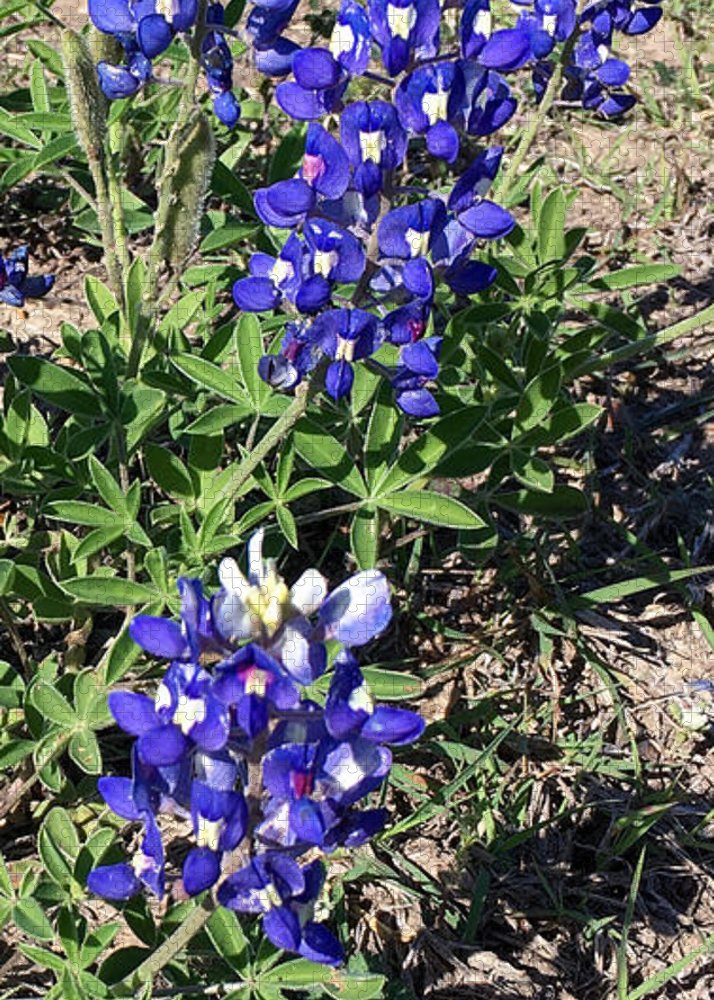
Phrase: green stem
(693, 323)
(117, 202)
(169, 949)
(273, 438)
(533, 128)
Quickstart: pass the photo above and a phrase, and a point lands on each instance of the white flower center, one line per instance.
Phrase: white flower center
(401, 20)
(282, 270)
(189, 713)
(342, 40)
(269, 896)
(163, 698)
(372, 144)
(142, 864)
(603, 52)
(256, 681)
(167, 9)
(324, 261)
(418, 241)
(360, 700)
(209, 832)
(345, 350)
(550, 23)
(482, 23)
(435, 105)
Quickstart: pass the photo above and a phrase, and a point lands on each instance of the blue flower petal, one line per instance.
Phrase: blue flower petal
(282, 928)
(154, 35)
(318, 944)
(118, 795)
(163, 746)
(112, 16)
(201, 870)
(134, 713)
(358, 610)
(113, 882)
(158, 636)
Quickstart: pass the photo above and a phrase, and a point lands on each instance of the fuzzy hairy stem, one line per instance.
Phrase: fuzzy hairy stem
(88, 107)
(186, 109)
(275, 436)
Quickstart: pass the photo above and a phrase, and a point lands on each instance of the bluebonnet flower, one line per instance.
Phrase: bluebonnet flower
(118, 81)
(345, 336)
(404, 29)
(217, 62)
(276, 887)
(351, 38)
(220, 822)
(230, 700)
(374, 141)
(16, 284)
(153, 23)
(428, 101)
(124, 880)
(549, 22)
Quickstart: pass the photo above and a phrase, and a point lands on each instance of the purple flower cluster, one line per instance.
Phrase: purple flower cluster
(592, 76)
(15, 283)
(231, 743)
(146, 28)
(347, 227)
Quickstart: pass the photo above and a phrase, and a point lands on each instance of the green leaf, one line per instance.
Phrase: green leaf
(219, 417)
(640, 584)
(84, 750)
(564, 501)
(98, 941)
(56, 385)
(101, 300)
(52, 705)
(107, 591)
(81, 512)
(303, 487)
(43, 957)
(551, 227)
(7, 575)
(227, 186)
(636, 277)
(210, 376)
(228, 939)
(325, 455)
(96, 541)
(60, 829)
(392, 685)
(108, 488)
(55, 150)
(90, 699)
(364, 537)
(227, 236)
(288, 155)
(31, 919)
(168, 471)
(38, 89)
(383, 434)
(538, 398)
(287, 525)
(249, 344)
(532, 471)
(135, 282)
(442, 438)
(434, 508)
(12, 128)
